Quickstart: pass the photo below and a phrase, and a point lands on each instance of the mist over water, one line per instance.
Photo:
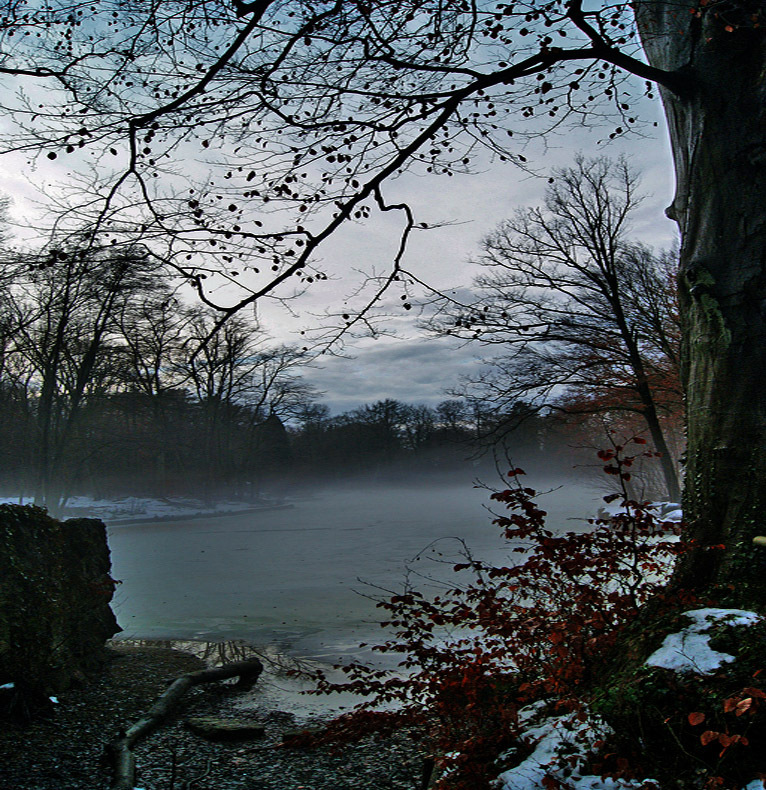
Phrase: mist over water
(291, 577)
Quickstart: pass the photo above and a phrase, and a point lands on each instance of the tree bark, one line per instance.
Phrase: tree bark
(718, 137)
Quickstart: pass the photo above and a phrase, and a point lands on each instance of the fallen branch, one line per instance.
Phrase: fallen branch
(121, 748)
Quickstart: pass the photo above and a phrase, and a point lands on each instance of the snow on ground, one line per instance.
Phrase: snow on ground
(663, 511)
(561, 742)
(689, 651)
(560, 745)
(128, 509)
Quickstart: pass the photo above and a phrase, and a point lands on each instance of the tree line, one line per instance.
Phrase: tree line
(112, 384)
(391, 439)
(107, 375)
(108, 378)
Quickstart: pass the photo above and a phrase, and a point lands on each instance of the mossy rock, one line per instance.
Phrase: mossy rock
(667, 723)
(55, 590)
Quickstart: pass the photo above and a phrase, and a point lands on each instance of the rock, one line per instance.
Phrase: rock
(216, 729)
(55, 590)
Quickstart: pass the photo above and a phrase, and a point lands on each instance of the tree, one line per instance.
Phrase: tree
(320, 104)
(66, 303)
(418, 428)
(715, 137)
(14, 404)
(586, 318)
(242, 388)
(383, 427)
(152, 331)
(452, 415)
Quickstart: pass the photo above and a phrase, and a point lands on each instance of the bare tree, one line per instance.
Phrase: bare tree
(586, 319)
(312, 107)
(67, 302)
(242, 385)
(291, 118)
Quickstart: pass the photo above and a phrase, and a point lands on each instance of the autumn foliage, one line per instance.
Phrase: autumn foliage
(504, 636)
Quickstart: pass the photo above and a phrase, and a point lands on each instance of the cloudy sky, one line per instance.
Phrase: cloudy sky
(403, 363)
(418, 369)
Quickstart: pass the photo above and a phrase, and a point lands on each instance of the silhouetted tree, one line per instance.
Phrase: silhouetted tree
(586, 318)
(67, 302)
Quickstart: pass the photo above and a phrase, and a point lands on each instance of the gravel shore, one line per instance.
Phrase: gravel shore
(66, 750)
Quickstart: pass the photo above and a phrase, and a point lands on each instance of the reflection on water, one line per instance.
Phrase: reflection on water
(283, 686)
(214, 654)
(293, 577)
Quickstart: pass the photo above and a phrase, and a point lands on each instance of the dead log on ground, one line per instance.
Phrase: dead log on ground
(121, 748)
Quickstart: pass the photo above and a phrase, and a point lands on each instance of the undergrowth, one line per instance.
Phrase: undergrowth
(540, 628)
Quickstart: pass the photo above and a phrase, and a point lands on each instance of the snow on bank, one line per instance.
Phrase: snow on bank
(689, 651)
(133, 509)
(560, 745)
(662, 511)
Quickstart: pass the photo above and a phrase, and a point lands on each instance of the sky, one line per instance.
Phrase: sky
(403, 363)
(410, 366)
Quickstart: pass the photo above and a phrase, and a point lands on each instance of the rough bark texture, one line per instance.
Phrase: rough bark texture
(55, 590)
(718, 136)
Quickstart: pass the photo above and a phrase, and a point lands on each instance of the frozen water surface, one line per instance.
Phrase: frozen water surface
(291, 577)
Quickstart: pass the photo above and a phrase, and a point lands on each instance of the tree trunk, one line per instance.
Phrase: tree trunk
(669, 472)
(718, 137)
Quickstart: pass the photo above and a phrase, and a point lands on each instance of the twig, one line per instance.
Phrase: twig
(189, 782)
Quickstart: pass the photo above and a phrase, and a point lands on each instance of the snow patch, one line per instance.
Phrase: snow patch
(132, 508)
(662, 511)
(560, 744)
(689, 651)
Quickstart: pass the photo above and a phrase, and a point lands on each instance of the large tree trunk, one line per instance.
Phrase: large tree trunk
(718, 137)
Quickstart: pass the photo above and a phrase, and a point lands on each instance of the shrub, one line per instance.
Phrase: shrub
(538, 628)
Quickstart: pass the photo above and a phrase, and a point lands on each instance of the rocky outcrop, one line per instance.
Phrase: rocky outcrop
(55, 590)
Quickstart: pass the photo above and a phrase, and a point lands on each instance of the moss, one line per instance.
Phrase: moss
(649, 709)
(700, 283)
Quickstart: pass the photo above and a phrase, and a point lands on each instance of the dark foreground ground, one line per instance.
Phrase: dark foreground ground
(66, 750)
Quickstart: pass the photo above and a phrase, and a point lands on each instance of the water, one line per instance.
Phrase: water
(291, 577)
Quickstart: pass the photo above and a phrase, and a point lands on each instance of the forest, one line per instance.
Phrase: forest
(231, 144)
(107, 390)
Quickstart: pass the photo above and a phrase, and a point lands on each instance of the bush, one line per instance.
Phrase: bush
(540, 628)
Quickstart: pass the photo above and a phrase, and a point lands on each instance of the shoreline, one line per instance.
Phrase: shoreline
(182, 517)
(65, 751)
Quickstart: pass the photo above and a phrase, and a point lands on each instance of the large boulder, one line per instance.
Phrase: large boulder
(55, 590)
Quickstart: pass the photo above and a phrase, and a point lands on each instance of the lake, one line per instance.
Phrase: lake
(301, 578)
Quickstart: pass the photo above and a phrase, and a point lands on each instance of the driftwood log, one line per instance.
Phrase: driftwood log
(121, 748)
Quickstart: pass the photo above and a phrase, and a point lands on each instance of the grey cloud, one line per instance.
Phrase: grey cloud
(417, 371)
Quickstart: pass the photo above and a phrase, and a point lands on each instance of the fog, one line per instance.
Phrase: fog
(291, 577)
